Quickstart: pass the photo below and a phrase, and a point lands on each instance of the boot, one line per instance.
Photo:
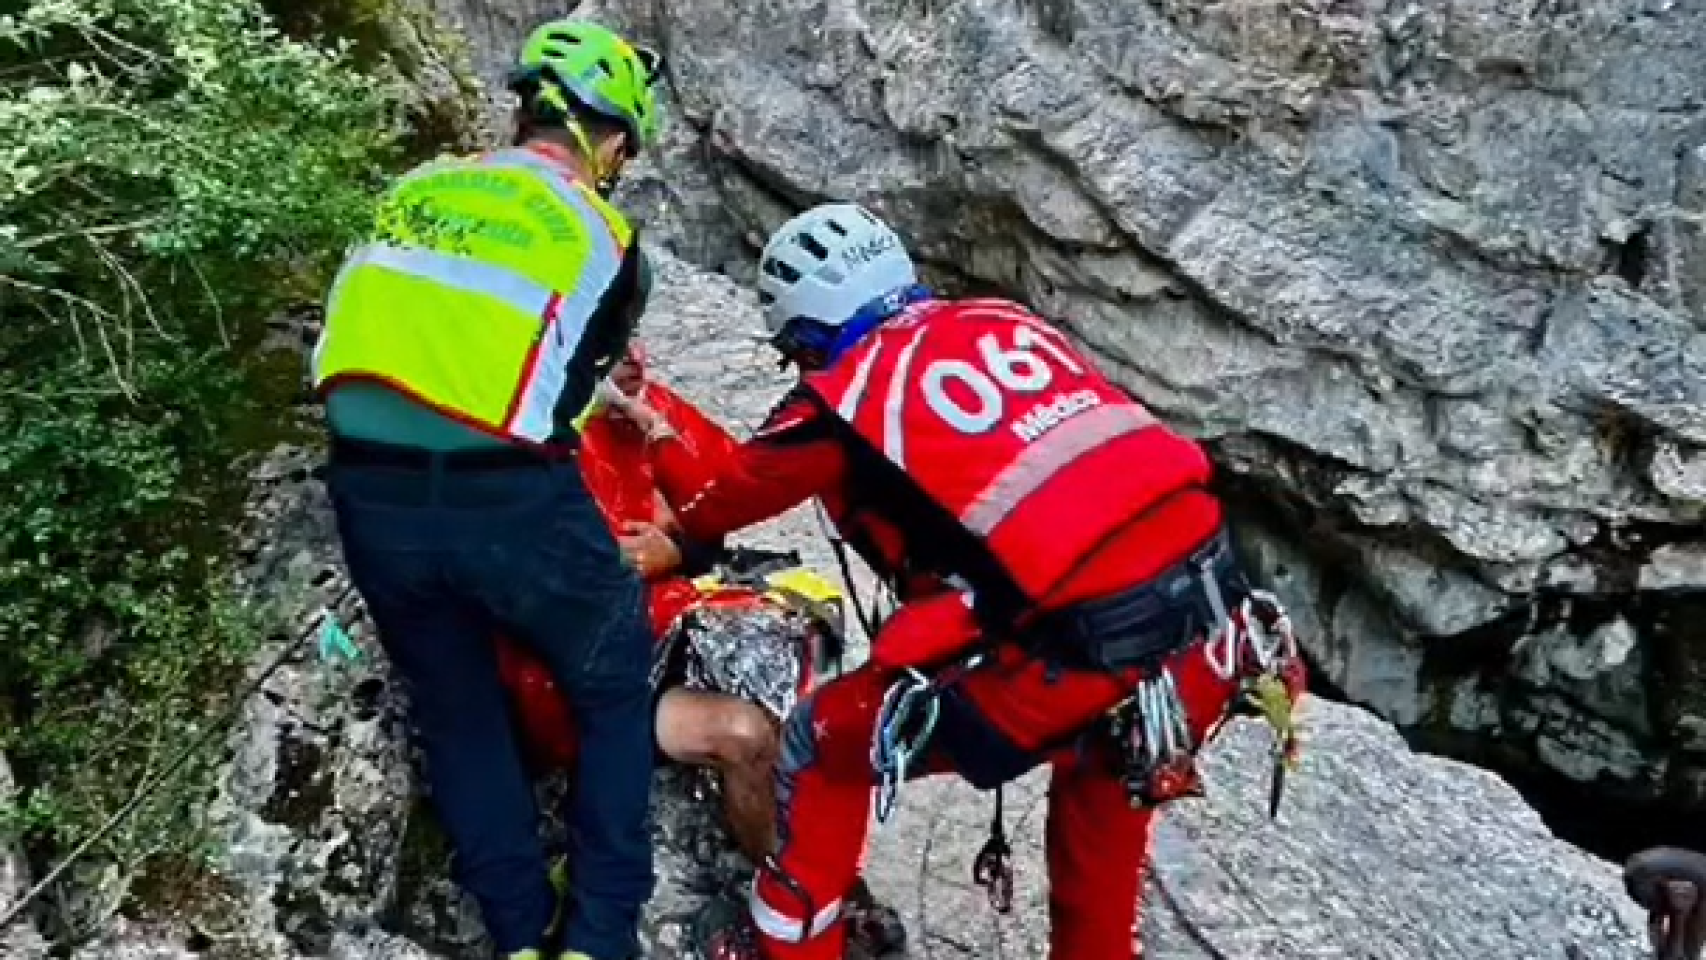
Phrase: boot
(724, 931)
(559, 877)
(873, 927)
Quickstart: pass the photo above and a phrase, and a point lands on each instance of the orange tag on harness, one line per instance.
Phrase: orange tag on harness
(1295, 676)
(1173, 779)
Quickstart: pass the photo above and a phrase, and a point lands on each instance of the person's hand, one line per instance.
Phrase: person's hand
(649, 549)
(609, 394)
(641, 414)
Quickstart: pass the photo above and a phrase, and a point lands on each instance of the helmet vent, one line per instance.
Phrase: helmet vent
(781, 271)
(813, 247)
(836, 228)
(651, 62)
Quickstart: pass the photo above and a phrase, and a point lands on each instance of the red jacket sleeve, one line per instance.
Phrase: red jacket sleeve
(683, 465)
(790, 459)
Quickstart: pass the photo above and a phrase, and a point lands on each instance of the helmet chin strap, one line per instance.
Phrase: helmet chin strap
(603, 182)
(815, 345)
(873, 314)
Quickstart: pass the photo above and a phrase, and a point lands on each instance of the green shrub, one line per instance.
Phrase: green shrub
(171, 173)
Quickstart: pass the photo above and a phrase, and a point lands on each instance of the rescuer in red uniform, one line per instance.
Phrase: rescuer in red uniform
(1059, 561)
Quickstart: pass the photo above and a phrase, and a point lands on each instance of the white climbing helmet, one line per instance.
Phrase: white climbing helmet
(827, 263)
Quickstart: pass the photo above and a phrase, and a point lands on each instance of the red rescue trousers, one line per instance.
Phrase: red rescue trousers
(1097, 844)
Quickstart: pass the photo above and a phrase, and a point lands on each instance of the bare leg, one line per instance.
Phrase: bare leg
(742, 743)
(749, 804)
(739, 740)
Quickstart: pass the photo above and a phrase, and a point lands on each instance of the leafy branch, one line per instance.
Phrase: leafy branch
(169, 170)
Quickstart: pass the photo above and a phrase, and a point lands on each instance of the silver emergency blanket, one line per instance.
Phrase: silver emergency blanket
(759, 652)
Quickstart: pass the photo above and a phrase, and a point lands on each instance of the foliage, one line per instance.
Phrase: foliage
(171, 173)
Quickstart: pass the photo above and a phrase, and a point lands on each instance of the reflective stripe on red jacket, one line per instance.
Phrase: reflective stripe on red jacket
(1003, 426)
(617, 459)
(1037, 497)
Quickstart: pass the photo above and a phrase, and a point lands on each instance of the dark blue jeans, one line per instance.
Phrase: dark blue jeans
(444, 559)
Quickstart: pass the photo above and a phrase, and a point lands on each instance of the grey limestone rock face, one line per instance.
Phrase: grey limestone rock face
(1378, 852)
(1351, 849)
(1429, 278)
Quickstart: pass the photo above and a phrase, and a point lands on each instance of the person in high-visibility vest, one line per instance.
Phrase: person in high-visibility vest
(461, 342)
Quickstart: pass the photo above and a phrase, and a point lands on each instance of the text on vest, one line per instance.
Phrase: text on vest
(1027, 368)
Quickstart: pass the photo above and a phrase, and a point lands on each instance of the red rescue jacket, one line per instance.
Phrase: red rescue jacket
(1003, 440)
(970, 441)
(617, 459)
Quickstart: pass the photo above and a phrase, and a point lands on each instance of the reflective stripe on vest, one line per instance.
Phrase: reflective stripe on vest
(481, 319)
(469, 276)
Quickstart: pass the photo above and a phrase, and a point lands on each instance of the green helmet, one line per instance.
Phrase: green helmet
(598, 69)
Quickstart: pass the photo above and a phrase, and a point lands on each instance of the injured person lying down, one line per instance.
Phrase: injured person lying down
(739, 634)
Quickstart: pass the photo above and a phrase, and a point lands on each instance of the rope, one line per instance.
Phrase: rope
(866, 618)
(146, 789)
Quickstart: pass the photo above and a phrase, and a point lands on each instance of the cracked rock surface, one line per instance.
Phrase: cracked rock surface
(1431, 278)
(1378, 852)
(22, 941)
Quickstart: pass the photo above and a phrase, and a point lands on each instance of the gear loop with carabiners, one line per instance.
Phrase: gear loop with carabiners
(1257, 636)
(905, 722)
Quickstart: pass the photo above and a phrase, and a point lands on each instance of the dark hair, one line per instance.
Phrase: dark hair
(536, 118)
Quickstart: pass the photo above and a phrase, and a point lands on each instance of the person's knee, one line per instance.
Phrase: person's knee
(743, 736)
(717, 729)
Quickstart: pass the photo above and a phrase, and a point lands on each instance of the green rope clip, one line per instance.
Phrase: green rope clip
(335, 642)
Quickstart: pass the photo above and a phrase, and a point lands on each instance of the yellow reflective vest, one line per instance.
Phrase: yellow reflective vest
(476, 291)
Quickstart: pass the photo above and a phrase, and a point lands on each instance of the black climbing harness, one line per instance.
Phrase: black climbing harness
(869, 618)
